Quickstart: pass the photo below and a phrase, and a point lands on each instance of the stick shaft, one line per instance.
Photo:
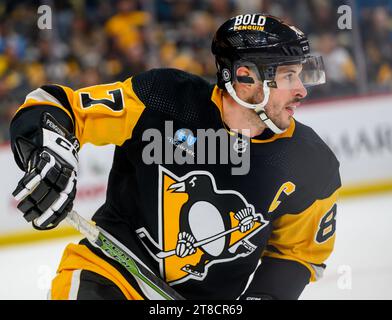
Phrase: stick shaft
(112, 248)
(165, 254)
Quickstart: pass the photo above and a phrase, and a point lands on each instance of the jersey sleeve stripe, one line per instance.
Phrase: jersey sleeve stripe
(41, 96)
(75, 284)
(60, 95)
(44, 98)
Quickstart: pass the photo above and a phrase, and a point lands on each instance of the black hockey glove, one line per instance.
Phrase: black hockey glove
(47, 190)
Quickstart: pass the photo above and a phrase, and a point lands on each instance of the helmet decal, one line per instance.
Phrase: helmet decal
(249, 22)
(226, 74)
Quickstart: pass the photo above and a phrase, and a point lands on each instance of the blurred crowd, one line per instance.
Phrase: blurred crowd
(98, 41)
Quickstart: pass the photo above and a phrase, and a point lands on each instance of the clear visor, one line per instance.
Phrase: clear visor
(291, 75)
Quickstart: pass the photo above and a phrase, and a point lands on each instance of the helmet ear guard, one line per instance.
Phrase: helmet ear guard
(224, 69)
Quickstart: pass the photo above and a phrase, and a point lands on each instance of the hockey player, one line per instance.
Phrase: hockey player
(210, 234)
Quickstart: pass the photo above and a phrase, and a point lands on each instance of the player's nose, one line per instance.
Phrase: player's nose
(300, 91)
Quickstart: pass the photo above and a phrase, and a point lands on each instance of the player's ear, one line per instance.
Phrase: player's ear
(245, 77)
(242, 72)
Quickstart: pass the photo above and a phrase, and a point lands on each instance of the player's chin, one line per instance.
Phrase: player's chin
(288, 115)
(284, 122)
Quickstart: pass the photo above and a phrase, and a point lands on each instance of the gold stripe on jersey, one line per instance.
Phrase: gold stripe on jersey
(288, 133)
(216, 98)
(79, 257)
(294, 236)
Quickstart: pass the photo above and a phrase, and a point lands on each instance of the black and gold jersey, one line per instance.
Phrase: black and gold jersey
(289, 190)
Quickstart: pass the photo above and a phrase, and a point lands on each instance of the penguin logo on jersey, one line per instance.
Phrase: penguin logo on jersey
(199, 226)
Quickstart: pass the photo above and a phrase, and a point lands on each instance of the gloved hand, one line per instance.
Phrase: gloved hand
(185, 245)
(48, 188)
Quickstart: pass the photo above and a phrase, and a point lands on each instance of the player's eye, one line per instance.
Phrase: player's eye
(289, 77)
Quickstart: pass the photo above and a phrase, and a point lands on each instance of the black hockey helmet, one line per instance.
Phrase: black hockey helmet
(266, 42)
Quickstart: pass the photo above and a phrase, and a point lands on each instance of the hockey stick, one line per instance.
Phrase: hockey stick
(117, 251)
(165, 254)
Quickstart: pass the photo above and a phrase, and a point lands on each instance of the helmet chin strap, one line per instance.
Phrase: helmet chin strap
(259, 107)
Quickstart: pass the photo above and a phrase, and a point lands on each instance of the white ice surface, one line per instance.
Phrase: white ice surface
(359, 268)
